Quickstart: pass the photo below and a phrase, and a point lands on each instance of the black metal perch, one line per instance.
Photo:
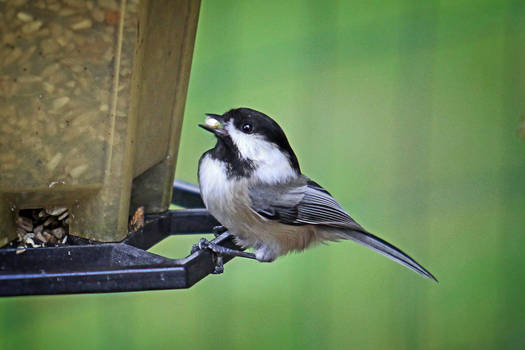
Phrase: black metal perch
(89, 267)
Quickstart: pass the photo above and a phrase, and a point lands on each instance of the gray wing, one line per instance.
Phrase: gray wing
(300, 203)
(305, 202)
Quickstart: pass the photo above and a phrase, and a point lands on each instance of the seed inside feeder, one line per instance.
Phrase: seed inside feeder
(42, 227)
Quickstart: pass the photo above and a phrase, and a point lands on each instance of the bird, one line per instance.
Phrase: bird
(251, 182)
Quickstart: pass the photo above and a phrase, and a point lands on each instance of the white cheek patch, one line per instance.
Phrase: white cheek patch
(251, 147)
(271, 165)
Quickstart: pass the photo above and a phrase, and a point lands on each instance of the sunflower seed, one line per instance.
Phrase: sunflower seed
(56, 211)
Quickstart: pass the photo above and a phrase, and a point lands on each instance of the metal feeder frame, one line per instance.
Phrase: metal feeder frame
(92, 267)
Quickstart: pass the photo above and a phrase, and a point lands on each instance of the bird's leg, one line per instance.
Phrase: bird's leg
(218, 230)
(220, 252)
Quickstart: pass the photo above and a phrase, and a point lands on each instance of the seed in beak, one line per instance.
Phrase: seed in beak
(212, 122)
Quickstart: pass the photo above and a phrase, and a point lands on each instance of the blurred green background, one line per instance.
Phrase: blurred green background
(408, 112)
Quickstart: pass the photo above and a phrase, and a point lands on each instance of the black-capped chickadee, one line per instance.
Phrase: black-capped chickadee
(252, 184)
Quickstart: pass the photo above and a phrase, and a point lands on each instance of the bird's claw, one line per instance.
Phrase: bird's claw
(218, 230)
(205, 244)
(219, 252)
(202, 244)
(219, 265)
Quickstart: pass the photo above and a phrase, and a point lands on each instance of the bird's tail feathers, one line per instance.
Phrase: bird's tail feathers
(385, 248)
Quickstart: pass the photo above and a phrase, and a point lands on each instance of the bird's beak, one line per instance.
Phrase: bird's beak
(214, 123)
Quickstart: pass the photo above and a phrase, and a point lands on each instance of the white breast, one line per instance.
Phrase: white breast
(222, 196)
(212, 179)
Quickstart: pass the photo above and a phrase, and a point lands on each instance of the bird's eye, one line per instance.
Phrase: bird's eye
(247, 128)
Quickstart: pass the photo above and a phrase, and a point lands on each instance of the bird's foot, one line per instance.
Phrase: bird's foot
(205, 244)
(218, 230)
(220, 252)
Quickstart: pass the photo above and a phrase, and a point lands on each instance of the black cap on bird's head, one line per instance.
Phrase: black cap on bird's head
(249, 133)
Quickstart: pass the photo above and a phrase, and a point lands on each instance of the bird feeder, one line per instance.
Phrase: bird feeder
(92, 96)
(92, 101)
